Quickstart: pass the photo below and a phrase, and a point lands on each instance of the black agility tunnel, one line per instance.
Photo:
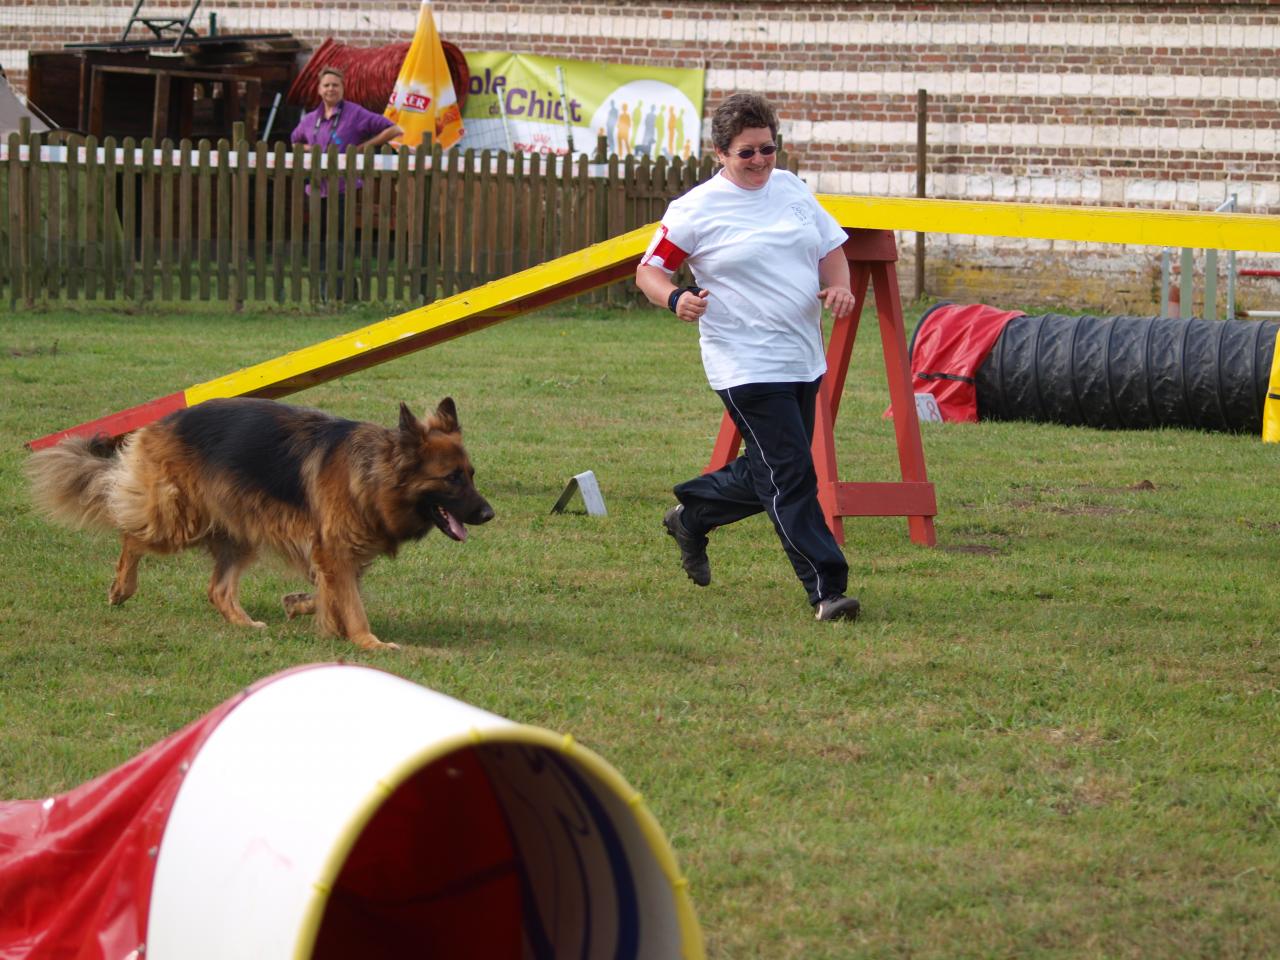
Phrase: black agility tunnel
(1109, 372)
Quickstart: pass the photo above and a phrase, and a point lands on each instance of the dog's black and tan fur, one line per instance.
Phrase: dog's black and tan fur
(241, 476)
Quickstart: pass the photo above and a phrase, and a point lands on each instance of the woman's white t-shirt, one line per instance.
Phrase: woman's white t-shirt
(756, 253)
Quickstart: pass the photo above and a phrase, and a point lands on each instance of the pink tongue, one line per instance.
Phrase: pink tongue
(456, 530)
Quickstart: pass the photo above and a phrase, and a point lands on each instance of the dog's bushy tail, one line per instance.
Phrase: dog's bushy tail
(71, 482)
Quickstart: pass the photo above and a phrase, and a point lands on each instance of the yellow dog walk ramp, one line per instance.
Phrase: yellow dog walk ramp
(463, 313)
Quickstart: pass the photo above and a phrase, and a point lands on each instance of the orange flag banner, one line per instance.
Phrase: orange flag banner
(423, 102)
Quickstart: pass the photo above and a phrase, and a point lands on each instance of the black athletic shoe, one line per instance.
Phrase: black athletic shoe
(693, 550)
(837, 607)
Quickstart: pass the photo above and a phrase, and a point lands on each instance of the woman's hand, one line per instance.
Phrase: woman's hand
(691, 306)
(839, 300)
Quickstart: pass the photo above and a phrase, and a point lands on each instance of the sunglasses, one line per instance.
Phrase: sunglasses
(746, 153)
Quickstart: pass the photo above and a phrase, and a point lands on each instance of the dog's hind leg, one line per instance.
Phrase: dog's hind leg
(298, 604)
(125, 584)
(230, 559)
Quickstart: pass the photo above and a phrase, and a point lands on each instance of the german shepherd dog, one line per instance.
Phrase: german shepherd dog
(240, 476)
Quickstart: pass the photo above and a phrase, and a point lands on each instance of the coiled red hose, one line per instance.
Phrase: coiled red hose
(370, 73)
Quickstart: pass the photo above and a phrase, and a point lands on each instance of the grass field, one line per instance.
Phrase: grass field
(1055, 735)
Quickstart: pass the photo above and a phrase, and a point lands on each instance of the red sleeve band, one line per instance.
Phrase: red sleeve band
(668, 255)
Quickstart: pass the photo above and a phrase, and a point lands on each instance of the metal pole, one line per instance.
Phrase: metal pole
(1231, 205)
(1211, 273)
(1186, 283)
(186, 26)
(922, 124)
(1164, 282)
(271, 117)
(1211, 284)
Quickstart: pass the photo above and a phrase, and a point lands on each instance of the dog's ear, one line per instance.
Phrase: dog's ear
(446, 417)
(409, 425)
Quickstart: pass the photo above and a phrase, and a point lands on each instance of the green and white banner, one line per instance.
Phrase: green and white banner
(517, 102)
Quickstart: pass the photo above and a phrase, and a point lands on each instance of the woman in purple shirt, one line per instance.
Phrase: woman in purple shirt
(340, 123)
(337, 122)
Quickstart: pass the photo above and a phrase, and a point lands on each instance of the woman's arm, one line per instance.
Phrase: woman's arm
(382, 136)
(833, 283)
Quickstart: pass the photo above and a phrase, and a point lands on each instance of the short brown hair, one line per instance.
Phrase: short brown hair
(741, 111)
(336, 71)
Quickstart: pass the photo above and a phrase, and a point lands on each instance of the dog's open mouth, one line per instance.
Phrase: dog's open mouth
(447, 522)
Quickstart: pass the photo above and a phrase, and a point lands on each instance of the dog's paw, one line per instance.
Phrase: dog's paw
(367, 641)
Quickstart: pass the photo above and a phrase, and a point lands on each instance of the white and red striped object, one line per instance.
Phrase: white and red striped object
(336, 810)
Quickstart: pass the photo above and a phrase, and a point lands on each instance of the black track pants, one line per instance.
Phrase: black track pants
(775, 474)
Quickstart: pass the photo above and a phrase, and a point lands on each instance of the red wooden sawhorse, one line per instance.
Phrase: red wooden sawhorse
(872, 255)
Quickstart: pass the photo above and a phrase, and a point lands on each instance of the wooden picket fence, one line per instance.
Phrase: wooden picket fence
(237, 222)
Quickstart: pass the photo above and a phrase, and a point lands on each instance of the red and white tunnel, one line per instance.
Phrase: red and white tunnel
(340, 811)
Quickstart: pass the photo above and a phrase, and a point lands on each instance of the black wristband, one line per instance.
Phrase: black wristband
(679, 292)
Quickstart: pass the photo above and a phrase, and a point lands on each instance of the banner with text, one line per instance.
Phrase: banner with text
(520, 102)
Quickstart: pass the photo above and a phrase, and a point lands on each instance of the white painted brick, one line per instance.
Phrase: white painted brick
(1076, 85)
(1124, 86)
(1105, 136)
(1212, 193)
(1026, 85)
(721, 79)
(830, 82)
(1064, 189)
(999, 134)
(1056, 34)
(1043, 188)
(859, 183)
(902, 184)
(1140, 191)
(827, 182)
(1216, 138)
(1186, 87)
(1051, 136)
(834, 131)
(1075, 135)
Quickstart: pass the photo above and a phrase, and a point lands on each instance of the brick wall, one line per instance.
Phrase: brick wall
(1159, 105)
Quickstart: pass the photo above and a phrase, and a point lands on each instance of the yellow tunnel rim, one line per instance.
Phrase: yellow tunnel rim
(516, 735)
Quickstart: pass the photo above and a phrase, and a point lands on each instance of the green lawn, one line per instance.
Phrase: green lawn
(1055, 735)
